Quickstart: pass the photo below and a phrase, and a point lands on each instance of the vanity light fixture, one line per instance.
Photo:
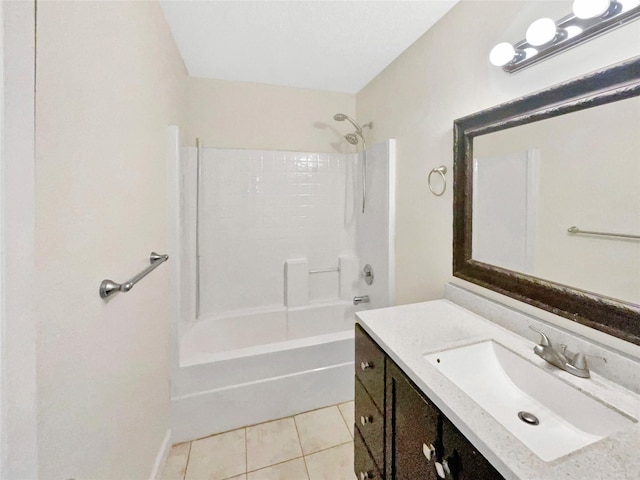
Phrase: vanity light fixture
(541, 31)
(545, 38)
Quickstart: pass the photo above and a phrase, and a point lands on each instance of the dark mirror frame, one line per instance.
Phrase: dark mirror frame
(618, 82)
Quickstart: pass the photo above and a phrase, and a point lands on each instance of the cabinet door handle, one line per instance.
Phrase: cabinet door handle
(445, 467)
(364, 420)
(428, 450)
(365, 475)
(365, 365)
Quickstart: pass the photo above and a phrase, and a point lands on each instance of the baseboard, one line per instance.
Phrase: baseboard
(161, 458)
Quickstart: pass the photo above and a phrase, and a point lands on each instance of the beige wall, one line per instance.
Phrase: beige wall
(590, 178)
(264, 117)
(19, 457)
(109, 81)
(445, 75)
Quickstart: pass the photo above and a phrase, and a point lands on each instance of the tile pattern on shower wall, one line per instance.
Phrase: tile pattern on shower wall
(259, 208)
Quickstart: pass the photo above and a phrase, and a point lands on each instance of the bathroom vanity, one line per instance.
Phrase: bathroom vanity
(413, 420)
(421, 441)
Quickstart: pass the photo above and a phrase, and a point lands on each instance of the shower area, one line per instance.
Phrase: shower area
(270, 250)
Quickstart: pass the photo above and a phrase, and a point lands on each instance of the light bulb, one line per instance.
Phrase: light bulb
(541, 31)
(502, 54)
(590, 8)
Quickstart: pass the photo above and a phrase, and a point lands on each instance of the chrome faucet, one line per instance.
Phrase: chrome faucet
(574, 364)
(363, 299)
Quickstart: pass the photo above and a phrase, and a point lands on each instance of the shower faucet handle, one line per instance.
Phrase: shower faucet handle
(367, 274)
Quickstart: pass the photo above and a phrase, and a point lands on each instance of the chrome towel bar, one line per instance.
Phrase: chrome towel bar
(325, 270)
(109, 287)
(575, 229)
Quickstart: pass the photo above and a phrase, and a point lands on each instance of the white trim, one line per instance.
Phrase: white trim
(19, 446)
(161, 458)
(391, 248)
(2, 279)
(174, 243)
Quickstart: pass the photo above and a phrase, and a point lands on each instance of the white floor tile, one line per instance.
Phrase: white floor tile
(219, 457)
(291, 470)
(321, 429)
(272, 442)
(333, 464)
(176, 465)
(348, 410)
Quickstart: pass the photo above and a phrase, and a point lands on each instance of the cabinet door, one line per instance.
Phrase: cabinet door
(424, 444)
(463, 461)
(412, 430)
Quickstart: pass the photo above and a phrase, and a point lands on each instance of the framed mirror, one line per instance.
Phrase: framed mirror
(547, 199)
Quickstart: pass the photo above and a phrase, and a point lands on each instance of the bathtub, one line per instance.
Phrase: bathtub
(247, 368)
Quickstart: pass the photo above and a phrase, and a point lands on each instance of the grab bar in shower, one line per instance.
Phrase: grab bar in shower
(575, 229)
(109, 287)
(325, 270)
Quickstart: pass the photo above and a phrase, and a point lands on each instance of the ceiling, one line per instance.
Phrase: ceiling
(325, 45)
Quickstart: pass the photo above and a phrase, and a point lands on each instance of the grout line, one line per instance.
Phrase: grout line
(301, 450)
(323, 450)
(306, 468)
(329, 448)
(186, 465)
(246, 452)
(349, 427)
(275, 464)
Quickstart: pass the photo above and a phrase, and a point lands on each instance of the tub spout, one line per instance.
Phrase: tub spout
(363, 299)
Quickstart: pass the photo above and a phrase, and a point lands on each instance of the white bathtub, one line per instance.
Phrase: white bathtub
(244, 369)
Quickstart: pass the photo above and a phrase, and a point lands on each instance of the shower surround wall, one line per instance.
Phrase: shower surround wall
(266, 219)
(258, 209)
(261, 208)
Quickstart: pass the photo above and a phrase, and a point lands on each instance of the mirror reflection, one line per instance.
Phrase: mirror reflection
(533, 182)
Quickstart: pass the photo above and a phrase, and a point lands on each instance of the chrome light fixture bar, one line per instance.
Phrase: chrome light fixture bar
(589, 19)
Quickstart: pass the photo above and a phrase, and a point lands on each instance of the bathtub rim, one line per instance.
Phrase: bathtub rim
(256, 350)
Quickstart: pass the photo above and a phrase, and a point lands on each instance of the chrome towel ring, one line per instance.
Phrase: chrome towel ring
(442, 171)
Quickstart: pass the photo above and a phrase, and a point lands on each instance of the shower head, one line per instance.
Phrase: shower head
(341, 117)
(352, 138)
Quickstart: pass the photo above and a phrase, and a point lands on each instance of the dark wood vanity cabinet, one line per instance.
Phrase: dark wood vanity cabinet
(415, 440)
(422, 442)
(370, 422)
(412, 433)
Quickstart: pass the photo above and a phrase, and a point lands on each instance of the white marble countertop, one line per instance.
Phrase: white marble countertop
(408, 332)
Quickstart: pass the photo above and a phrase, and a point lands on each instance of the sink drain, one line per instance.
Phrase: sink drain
(529, 418)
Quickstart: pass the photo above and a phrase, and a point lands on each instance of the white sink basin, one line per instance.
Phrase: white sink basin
(504, 384)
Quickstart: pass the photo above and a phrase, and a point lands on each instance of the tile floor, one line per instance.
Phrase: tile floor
(315, 445)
